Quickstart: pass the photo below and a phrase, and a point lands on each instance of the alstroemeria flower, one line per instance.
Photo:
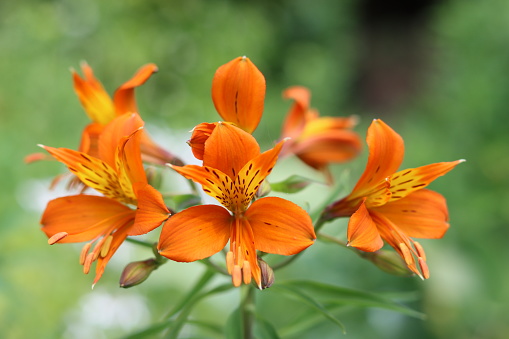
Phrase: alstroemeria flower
(238, 92)
(391, 206)
(317, 141)
(129, 205)
(101, 109)
(233, 170)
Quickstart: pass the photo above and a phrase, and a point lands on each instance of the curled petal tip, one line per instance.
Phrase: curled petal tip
(169, 165)
(462, 160)
(41, 146)
(93, 285)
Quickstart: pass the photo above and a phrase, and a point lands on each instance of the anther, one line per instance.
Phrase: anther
(420, 250)
(105, 248)
(236, 276)
(229, 262)
(57, 237)
(406, 254)
(84, 252)
(424, 267)
(246, 272)
(88, 262)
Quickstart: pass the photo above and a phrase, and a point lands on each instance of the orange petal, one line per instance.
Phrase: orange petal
(279, 226)
(83, 217)
(201, 134)
(329, 147)
(93, 172)
(251, 176)
(214, 182)
(229, 148)
(112, 134)
(296, 118)
(151, 210)
(195, 233)
(94, 99)
(385, 155)
(328, 124)
(238, 92)
(123, 98)
(413, 179)
(422, 214)
(362, 231)
(90, 139)
(400, 241)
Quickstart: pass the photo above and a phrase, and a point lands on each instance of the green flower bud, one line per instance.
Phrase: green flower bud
(137, 272)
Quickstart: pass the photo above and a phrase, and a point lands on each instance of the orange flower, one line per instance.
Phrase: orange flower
(233, 170)
(391, 206)
(238, 92)
(106, 220)
(317, 141)
(101, 109)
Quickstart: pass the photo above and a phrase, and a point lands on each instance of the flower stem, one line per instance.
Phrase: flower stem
(140, 242)
(248, 312)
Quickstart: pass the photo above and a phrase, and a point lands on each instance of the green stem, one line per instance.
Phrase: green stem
(140, 242)
(248, 312)
(212, 265)
(329, 238)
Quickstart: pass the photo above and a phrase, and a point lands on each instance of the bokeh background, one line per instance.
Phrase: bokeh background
(436, 71)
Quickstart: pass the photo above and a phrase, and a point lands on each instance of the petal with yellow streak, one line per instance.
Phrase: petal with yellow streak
(238, 92)
(93, 172)
(195, 233)
(363, 232)
(124, 99)
(280, 226)
(229, 148)
(413, 179)
(83, 217)
(422, 214)
(386, 151)
(94, 99)
(151, 211)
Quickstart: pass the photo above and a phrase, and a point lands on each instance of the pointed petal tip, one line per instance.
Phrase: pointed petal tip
(462, 160)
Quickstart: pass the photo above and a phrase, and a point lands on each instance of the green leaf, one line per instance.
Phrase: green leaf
(264, 329)
(335, 295)
(304, 297)
(233, 327)
(207, 325)
(182, 201)
(292, 184)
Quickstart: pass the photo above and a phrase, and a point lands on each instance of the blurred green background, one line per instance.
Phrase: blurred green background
(436, 71)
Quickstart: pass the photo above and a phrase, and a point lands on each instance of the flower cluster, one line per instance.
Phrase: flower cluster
(117, 202)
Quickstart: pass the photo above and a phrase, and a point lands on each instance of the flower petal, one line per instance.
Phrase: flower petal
(280, 226)
(94, 99)
(151, 211)
(386, 150)
(363, 232)
(90, 139)
(93, 172)
(238, 92)
(123, 98)
(296, 118)
(329, 147)
(229, 148)
(422, 214)
(201, 134)
(83, 217)
(413, 179)
(195, 233)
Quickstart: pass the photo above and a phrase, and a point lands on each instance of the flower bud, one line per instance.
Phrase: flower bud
(137, 272)
(267, 274)
(390, 262)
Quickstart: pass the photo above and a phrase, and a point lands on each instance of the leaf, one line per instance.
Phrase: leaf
(264, 329)
(292, 184)
(233, 327)
(335, 295)
(297, 293)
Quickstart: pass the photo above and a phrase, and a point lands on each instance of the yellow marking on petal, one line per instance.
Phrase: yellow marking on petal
(57, 237)
(229, 262)
(246, 272)
(84, 252)
(105, 248)
(237, 276)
